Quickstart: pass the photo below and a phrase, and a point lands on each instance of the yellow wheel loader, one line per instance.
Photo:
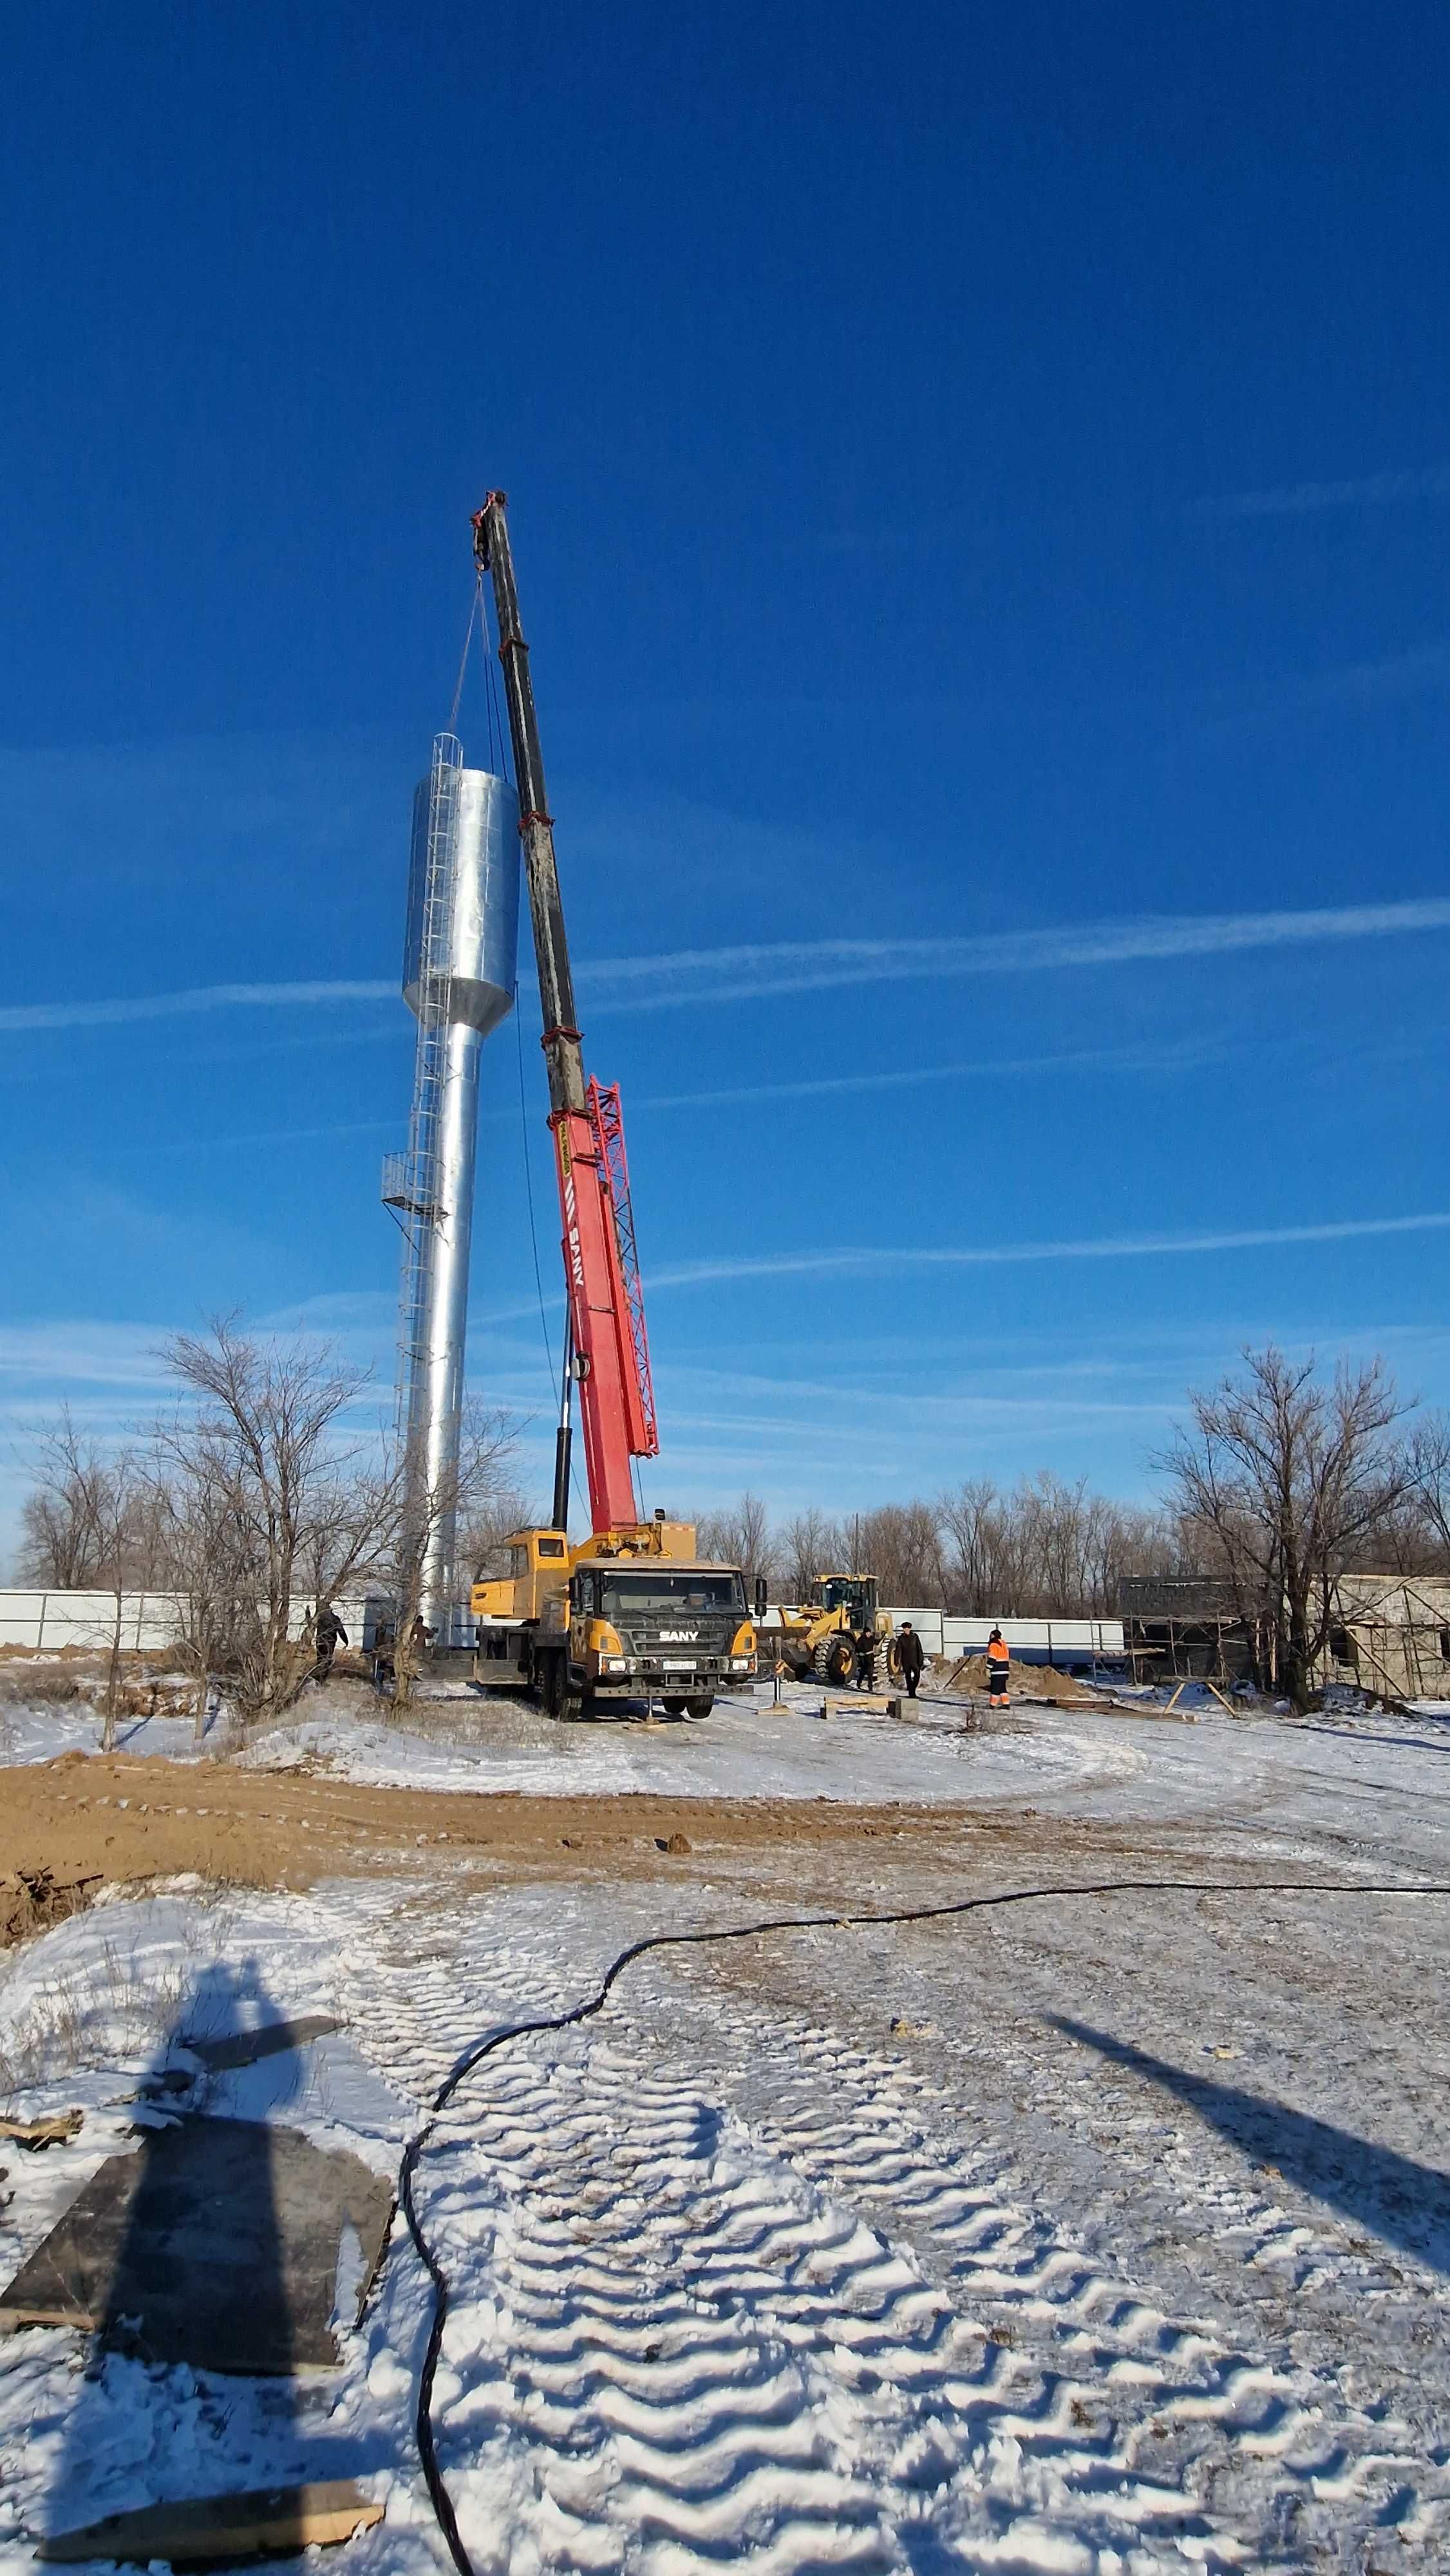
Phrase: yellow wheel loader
(838, 1634)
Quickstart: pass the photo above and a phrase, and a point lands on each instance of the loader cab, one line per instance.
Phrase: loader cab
(855, 1594)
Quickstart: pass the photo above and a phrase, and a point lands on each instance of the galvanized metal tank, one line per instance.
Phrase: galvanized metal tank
(459, 964)
(472, 942)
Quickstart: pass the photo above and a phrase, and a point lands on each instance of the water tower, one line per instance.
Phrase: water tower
(459, 963)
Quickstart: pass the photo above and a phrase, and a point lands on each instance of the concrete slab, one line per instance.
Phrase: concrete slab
(216, 2244)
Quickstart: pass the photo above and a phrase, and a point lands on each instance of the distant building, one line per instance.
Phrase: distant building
(1185, 1624)
(1391, 1633)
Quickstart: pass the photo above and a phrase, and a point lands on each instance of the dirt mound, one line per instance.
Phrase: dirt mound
(1028, 1681)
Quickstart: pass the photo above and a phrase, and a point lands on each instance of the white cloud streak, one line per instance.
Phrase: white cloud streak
(762, 969)
(201, 998)
(1353, 492)
(1126, 1247)
(1137, 1059)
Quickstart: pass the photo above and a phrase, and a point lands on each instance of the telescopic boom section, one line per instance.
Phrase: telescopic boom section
(601, 1276)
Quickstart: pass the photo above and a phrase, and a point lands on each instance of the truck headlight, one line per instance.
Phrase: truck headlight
(614, 1663)
(742, 1663)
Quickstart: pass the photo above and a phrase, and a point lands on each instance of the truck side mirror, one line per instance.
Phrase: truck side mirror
(762, 1595)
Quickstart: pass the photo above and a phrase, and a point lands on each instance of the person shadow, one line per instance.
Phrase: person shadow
(209, 2279)
(1376, 2188)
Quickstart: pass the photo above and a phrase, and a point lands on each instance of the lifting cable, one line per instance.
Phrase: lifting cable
(463, 657)
(438, 2494)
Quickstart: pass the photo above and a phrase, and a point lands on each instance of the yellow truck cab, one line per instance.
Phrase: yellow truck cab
(632, 1613)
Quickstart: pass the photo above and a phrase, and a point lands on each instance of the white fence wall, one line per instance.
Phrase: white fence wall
(1034, 1640)
(44, 1621)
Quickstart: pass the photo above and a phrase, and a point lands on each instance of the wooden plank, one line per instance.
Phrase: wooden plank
(205, 2531)
(43, 2133)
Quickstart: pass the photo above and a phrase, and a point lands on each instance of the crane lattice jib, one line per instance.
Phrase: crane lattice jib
(608, 1119)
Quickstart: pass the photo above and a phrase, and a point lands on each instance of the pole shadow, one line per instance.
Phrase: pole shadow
(180, 2255)
(1374, 2187)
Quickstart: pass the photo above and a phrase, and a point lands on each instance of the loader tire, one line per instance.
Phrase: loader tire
(835, 1661)
(893, 1659)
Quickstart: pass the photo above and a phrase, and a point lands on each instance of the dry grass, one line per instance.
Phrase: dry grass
(38, 1686)
(104, 2009)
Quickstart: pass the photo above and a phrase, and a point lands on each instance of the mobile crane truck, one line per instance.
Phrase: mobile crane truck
(630, 1612)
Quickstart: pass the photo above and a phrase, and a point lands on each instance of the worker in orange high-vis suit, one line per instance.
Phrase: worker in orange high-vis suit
(998, 1663)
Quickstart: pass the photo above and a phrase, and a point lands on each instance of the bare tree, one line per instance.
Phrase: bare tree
(901, 1544)
(1428, 1476)
(88, 1526)
(256, 1469)
(206, 1569)
(72, 1535)
(1281, 1477)
(119, 1509)
(808, 1545)
(739, 1534)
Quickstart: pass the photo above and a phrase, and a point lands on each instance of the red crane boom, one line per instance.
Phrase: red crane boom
(608, 1351)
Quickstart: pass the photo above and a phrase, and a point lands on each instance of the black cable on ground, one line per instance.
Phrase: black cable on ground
(439, 2497)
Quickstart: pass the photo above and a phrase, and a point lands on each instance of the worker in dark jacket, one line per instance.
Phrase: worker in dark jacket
(998, 1671)
(329, 1633)
(912, 1656)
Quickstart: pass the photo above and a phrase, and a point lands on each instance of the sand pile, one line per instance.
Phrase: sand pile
(1027, 1681)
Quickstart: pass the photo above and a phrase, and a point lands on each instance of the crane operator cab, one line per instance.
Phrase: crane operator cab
(628, 1615)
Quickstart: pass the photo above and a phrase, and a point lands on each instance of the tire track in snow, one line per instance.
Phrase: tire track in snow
(764, 2308)
(689, 2348)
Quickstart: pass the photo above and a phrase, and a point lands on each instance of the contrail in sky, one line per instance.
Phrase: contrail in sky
(1142, 1059)
(1124, 1247)
(1293, 500)
(883, 1259)
(172, 1006)
(759, 969)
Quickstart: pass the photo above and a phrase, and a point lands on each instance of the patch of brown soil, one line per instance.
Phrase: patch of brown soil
(32, 1899)
(126, 1819)
(1028, 1681)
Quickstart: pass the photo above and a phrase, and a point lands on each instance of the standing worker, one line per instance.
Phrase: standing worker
(912, 1657)
(998, 1665)
(329, 1633)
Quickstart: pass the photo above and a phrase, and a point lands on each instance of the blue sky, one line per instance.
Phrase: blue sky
(980, 484)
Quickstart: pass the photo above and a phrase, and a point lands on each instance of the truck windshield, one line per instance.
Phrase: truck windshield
(645, 1596)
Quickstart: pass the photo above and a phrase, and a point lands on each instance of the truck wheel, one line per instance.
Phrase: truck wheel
(674, 1707)
(559, 1700)
(701, 1706)
(835, 1660)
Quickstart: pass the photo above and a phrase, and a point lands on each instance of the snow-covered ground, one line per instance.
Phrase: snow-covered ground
(1099, 2236)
